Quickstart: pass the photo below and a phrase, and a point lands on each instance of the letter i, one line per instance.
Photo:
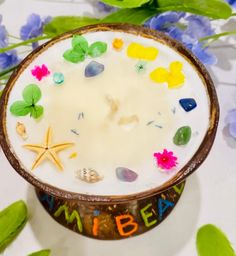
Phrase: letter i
(95, 226)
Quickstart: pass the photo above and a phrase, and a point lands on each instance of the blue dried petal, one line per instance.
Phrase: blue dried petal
(188, 104)
(125, 174)
(93, 69)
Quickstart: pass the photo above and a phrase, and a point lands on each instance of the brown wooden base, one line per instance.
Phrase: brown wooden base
(112, 221)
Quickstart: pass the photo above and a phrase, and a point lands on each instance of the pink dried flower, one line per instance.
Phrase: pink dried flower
(166, 160)
(40, 72)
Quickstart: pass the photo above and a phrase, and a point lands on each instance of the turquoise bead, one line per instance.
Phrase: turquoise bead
(58, 78)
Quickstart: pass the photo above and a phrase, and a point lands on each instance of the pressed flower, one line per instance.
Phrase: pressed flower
(174, 76)
(166, 160)
(117, 44)
(40, 72)
(141, 52)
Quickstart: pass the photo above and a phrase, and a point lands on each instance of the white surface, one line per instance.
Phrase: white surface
(208, 197)
(102, 144)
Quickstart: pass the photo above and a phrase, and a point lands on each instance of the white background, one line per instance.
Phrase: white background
(210, 192)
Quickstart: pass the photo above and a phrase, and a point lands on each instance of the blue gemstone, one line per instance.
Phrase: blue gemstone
(93, 69)
(188, 104)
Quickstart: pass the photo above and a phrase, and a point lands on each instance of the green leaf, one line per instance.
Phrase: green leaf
(135, 16)
(12, 220)
(97, 49)
(36, 111)
(74, 56)
(126, 3)
(41, 253)
(20, 108)
(31, 94)
(79, 43)
(211, 241)
(62, 24)
(217, 9)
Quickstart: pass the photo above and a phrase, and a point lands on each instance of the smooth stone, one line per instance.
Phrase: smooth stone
(93, 69)
(125, 174)
(58, 78)
(188, 104)
(182, 136)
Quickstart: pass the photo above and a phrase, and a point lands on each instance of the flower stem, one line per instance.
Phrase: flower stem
(217, 36)
(32, 40)
(6, 71)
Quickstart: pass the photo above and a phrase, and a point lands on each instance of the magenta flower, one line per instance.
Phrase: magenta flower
(40, 72)
(166, 160)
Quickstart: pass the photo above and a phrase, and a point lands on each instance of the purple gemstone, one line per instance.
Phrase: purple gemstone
(188, 104)
(125, 174)
(93, 69)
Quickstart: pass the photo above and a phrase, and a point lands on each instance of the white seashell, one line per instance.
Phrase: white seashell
(21, 130)
(88, 175)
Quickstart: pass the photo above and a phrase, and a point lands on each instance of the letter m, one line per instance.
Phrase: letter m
(69, 217)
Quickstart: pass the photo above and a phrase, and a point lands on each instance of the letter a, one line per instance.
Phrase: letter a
(163, 205)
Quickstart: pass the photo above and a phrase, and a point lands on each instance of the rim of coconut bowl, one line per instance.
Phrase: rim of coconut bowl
(197, 159)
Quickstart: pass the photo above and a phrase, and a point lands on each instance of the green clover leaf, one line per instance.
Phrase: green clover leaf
(81, 49)
(41, 253)
(31, 95)
(12, 220)
(211, 241)
(74, 56)
(97, 49)
(20, 108)
(79, 43)
(36, 111)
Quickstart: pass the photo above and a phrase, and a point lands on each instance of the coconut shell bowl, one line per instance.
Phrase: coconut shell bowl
(107, 122)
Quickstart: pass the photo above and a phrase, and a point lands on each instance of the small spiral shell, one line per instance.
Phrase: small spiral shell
(88, 175)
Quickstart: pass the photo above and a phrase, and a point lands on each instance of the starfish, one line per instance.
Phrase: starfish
(48, 151)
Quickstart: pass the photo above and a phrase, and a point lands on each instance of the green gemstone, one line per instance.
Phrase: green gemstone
(182, 136)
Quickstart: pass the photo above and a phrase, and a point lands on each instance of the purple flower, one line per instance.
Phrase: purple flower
(33, 27)
(198, 26)
(3, 34)
(8, 59)
(232, 2)
(165, 21)
(231, 121)
(105, 7)
(186, 29)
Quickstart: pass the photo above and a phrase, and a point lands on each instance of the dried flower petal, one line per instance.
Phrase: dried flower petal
(166, 160)
(40, 72)
(174, 76)
(117, 44)
(141, 52)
